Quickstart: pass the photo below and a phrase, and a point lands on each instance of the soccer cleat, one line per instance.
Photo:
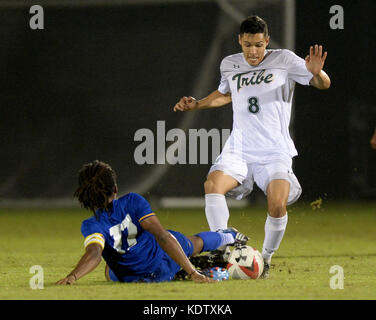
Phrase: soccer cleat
(240, 238)
(219, 257)
(216, 258)
(215, 273)
(183, 275)
(265, 272)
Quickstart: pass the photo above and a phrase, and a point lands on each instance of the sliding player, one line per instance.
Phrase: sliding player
(130, 238)
(260, 83)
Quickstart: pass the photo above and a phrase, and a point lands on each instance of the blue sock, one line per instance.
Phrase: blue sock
(212, 240)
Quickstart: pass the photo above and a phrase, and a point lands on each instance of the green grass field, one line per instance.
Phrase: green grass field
(315, 240)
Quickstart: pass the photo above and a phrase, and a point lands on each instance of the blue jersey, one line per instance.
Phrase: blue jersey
(131, 252)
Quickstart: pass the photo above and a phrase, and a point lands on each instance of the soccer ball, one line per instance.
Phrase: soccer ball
(245, 262)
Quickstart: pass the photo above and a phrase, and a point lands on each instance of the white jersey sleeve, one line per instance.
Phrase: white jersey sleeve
(296, 68)
(224, 86)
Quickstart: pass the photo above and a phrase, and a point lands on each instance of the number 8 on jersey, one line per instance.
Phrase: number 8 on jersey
(253, 105)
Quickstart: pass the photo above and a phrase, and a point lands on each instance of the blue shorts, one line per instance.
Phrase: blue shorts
(167, 268)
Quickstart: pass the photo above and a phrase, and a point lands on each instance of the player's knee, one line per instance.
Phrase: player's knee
(277, 208)
(211, 187)
(197, 243)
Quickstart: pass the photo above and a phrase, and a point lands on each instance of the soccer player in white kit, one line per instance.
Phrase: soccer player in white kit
(260, 83)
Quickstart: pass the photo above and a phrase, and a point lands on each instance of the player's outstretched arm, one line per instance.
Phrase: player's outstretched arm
(88, 262)
(172, 247)
(315, 63)
(214, 100)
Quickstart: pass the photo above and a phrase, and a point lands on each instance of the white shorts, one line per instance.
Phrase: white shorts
(249, 173)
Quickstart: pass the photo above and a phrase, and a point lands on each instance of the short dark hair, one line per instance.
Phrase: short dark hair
(253, 25)
(96, 183)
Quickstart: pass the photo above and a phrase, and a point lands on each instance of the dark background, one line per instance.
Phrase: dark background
(333, 127)
(79, 89)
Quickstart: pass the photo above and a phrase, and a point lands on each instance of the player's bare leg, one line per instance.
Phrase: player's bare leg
(277, 197)
(275, 225)
(107, 272)
(216, 186)
(219, 182)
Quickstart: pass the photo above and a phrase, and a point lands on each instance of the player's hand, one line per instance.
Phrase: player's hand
(67, 280)
(315, 60)
(186, 104)
(198, 277)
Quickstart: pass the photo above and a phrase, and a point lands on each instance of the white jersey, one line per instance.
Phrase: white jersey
(261, 99)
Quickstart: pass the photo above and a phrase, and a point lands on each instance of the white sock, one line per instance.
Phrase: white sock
(274, 231)
(226, 238)
(216, 211)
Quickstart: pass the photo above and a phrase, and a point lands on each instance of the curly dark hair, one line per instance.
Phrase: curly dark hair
(96, 184)
(253, 25)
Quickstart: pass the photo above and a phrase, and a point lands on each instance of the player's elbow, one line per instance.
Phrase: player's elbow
(165, 239)
(326, 84)
(162, 238)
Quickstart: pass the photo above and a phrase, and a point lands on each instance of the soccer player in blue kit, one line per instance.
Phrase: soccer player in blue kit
(130, 238)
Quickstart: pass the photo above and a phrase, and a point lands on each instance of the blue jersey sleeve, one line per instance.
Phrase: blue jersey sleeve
(92, 232)
(140, 207)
